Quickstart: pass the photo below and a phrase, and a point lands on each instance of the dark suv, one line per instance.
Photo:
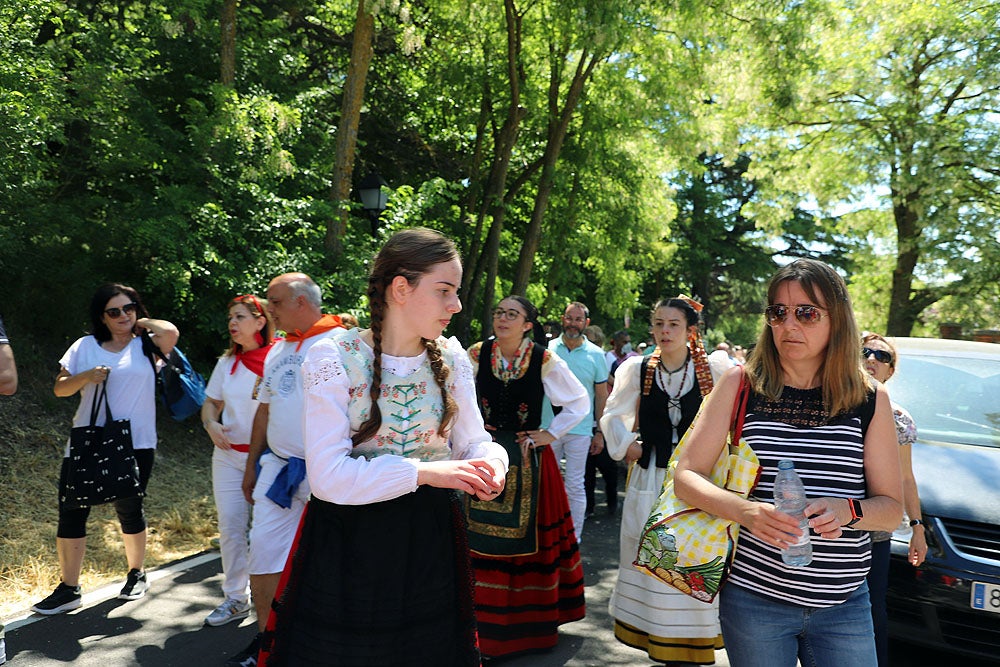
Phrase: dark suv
(952, 389)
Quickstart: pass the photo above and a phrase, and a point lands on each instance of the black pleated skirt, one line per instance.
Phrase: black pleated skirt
(383, 584)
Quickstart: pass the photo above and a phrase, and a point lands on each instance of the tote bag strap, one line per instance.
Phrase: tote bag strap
(107, 404)
(739, 411)
(100, 396)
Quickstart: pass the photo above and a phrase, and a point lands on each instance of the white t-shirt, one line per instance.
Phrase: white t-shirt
(131, 387)
(238, 391)
(282, 391)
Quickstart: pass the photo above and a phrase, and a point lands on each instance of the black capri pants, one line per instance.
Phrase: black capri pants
(73, 522)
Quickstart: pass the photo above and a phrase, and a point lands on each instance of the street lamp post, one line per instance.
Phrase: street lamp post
(373, 198)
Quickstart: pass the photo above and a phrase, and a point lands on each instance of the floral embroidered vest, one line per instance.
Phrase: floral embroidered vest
(410, 402)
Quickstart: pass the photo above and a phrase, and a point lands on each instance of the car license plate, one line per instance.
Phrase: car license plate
(986, 597)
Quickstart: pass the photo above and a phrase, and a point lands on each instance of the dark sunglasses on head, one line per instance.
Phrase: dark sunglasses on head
(806, 315)
(880, 355)
(512, 314)
(116, 312)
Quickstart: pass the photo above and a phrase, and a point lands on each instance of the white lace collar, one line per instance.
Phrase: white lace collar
(398, 366)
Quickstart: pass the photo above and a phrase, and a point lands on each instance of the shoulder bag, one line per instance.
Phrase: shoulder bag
(180, 386)
(101, 466)
(686, 547)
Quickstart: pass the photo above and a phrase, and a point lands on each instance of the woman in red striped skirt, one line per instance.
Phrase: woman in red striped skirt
(529, 579)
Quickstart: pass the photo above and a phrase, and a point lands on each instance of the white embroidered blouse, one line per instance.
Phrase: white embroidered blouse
(337, 375)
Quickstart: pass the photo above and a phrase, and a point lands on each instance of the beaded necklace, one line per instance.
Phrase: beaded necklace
(664, 377)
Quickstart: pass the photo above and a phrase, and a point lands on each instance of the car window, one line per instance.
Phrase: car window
(951, 399)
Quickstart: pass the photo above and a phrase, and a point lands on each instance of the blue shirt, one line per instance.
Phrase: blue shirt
(587, 363)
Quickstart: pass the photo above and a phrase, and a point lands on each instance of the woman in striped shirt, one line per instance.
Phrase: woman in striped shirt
(812, 402)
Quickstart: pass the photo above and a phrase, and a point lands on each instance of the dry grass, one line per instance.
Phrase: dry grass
(34, 425)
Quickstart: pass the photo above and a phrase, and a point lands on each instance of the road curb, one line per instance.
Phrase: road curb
(109, 591)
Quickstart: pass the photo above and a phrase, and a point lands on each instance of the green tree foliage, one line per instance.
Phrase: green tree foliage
(554, 141)
(891, 107)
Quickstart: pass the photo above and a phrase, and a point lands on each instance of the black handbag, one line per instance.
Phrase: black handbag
(101, 466)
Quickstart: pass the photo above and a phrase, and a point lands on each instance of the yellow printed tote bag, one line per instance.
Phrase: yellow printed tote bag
(686, 547)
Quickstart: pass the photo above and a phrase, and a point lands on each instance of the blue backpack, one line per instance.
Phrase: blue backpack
(180, 386)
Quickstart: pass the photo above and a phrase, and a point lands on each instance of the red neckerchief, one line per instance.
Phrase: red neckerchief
(322, 325)
(254, 359)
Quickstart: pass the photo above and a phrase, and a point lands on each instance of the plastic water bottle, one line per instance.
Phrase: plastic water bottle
(790, 498)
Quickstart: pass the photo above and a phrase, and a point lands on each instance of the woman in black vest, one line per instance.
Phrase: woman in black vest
(653, 402)
(529, 578)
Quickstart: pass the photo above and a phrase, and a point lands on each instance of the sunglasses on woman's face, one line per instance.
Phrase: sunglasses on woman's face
(806, 315)
(880, 355)
(116, 312)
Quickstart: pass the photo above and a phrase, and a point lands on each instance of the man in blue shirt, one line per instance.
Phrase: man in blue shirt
(586, 360)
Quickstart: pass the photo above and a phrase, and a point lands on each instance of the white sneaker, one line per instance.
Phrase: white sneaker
(230, 610)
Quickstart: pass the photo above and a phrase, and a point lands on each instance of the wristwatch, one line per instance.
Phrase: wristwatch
(856, 513)
(916, 522)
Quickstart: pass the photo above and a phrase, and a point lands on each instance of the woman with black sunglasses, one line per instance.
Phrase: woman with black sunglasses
(880, 362)
(811, 402)
(112, 353)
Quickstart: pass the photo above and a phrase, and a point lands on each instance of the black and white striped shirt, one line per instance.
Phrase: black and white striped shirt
(829, 457)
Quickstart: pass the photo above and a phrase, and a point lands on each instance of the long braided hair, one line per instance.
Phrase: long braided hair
(410, 253)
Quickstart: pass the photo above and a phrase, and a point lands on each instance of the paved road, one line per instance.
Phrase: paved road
(165, 629)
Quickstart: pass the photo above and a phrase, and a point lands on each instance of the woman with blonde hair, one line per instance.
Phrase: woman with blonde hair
(810, 402)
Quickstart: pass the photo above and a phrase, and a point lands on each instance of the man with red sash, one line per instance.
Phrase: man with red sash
(279, 491)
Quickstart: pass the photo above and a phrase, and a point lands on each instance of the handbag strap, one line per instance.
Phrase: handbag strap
(101, 396)
(739, 410)
(151, 351)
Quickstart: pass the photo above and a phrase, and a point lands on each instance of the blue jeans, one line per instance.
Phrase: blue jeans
(762, 633)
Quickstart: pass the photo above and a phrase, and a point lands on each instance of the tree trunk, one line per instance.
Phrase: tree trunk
(227, 52)
(470, 202)
(490, 284)
(901, 311)
(492, 203)
(347, 132)
(558, 127)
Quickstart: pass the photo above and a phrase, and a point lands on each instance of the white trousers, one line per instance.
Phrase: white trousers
(273, 529)
(234, 521)
(574, 449)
